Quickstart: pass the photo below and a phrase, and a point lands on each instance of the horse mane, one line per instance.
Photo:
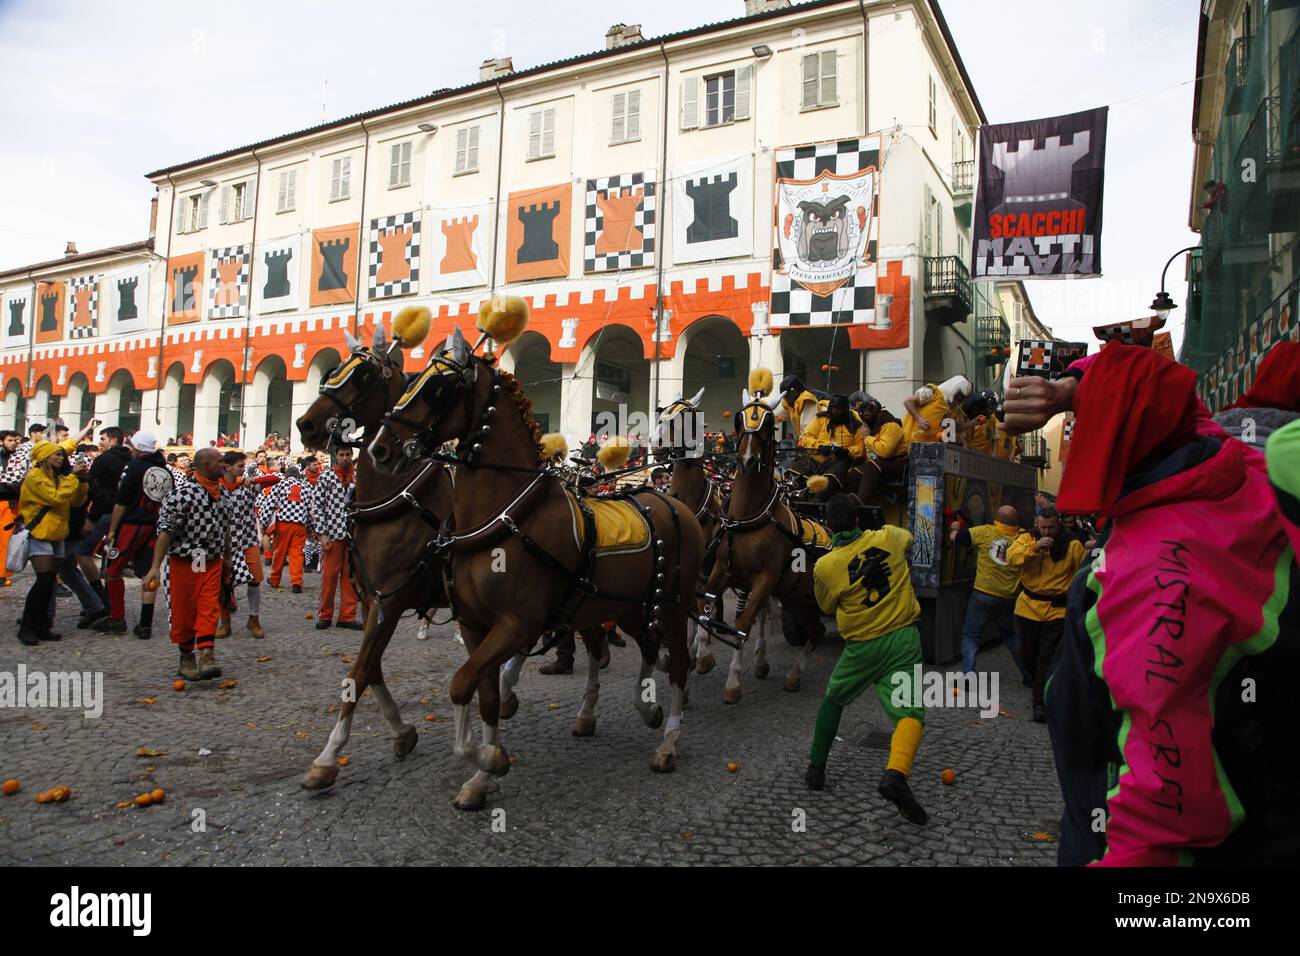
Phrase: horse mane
(513, 388)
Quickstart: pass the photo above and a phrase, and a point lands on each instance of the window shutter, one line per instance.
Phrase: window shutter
(394, 164)
(690, 102)
(223, 214)
(829, 95)
(293, 188)
(282, 198)
(471, 159)
(634, 115)
(548, 132)
(618, 118)
(334, 179)
(345, 179)
(534, 135)
(938, 228)
(809, 81)
(462, 149)
(929, 222)
(203, 211)
(744, 79)
(181, 206)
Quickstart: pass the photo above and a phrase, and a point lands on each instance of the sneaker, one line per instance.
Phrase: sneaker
(1040, 714)
(323, 623)
(109, 625)
(815, 777)
(350, 625)
(142, 632)
(297, 588)
(88, 618)
(208, 668)
(893, 787)
(189, 668)
(255, 626)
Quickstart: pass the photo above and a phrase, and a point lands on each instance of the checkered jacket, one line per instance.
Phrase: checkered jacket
(329, 503)
(289, 500)
(195, 521)
(243, 515)
(20, 462)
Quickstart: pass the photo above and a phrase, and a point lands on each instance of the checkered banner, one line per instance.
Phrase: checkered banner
(1225, 381)
(228, 282)
(394, 255)
(619, 232)
(1048, 359)
(824, 263)
(83, 307)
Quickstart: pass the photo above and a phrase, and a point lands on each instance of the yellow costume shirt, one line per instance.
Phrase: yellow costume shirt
(822, 432)
(934, 409)
(868, 584)
(886, 443)
(1045, 577)
(994, 573)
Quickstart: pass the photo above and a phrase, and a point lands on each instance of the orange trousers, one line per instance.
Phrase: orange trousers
(289, 539)
(334, 573)
(7, 516)
(196, 602)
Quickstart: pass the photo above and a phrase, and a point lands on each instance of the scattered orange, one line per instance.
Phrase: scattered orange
(310, 616)
(125, 803)
(430, 717)
(60, 794)
(10, 787)
(343, 761)
(178, 684)
(732, 767)
(159, 795)
(144, 800)
(948, 776)
(228, 684)
(151, 585)
(45, 796)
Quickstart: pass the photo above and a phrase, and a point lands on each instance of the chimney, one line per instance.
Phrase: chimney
(621, 34)
(753, 7)
(495, 68)
(71, 250)
(153, 217)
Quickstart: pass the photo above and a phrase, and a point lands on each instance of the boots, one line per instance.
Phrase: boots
(208, 668)
(223, 627)
(255, 626)
(893, 787)
(28, 636)
(189, 668)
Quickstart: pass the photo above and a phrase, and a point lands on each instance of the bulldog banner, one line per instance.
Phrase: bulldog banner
(1038, 202)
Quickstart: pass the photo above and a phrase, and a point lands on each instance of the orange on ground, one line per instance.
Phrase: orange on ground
(144, 800)
(344, 761)
(45, 796)
(158, 795)
(732, 767)
(60, 794)
(178, 684)
(948, 776)
(10, 787)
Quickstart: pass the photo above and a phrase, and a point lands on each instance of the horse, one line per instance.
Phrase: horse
(522, 557)
(762, 548)
(390, 533)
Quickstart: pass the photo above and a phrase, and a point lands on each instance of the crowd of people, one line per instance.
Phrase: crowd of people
(193, 527)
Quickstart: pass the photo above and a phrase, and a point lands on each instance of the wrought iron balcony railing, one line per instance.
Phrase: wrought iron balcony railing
(963, 176)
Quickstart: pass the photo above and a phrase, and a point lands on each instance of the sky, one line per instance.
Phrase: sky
(96, 94)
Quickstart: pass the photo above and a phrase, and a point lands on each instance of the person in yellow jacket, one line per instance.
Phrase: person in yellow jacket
(49, 492)
(929, 405)
(1048, 562)
(884, 455)
(980, 429)
(996, 584)
(834, 448)
(800, 405)
(866, 582)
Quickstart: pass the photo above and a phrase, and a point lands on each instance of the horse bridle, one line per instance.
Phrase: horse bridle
(335, 425)
(768, 458)
(421, 443)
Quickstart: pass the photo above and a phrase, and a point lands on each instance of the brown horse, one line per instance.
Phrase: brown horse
(762, 550)
(389, 555)
(522, 557)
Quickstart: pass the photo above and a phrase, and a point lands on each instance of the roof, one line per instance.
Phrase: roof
(143, 245)
(648, 42)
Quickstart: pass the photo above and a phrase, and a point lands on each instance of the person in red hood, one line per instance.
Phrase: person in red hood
(1169, 708)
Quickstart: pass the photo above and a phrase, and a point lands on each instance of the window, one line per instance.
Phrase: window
(399, 165)
(625, 117)
(934, 112)
(541, 134)
(193, 213)
(958, 142)
(341, 178)
(928, 236)
(726, 98)
(288, 191)
(236, 203)
(466, 150)
(819, 80)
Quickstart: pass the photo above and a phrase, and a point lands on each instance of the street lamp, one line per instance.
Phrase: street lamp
(1162, 304)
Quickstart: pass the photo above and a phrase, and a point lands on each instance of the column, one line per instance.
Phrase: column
(575, 402)
(207, 402)
(304, 393)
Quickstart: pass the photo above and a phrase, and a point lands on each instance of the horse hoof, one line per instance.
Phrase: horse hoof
(656, 718)
(792, 681)
(664, 763)
(320, 778)
(509, 707)
(494, 760)
(470, 798)
(405, 742)
(584, 726)
(732, 695)
(761, 670)
(661, 665)
(704, 663)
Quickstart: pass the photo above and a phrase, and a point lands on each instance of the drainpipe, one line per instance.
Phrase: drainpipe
(365, 166)
(248, 324)
(866, 71)
(496, 206)
(162, 331)
(31, 350)
(660, 229)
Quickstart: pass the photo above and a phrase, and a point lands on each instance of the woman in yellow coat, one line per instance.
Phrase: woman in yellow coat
(49, 492)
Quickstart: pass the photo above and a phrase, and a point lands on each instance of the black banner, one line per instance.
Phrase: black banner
(1038, 204)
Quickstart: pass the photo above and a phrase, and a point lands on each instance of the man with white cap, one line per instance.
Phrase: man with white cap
(132, 532)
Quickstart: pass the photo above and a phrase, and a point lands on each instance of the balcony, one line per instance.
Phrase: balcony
(963, 191)
(1237, 75)
(1034, 451)
(947, 289)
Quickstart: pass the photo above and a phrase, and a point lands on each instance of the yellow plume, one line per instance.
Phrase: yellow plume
(411, 326)
(615, 454)
(504, 317)
(554, 446)
(818, 483)
(760, 382)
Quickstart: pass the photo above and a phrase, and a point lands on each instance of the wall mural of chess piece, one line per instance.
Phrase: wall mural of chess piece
(394, 261)
(185, 279)
(50, 297)
(83, 307)
(460, 243)
(17, 315)
(129, 298)
(228, 282)
(334, 255)
(538, 232)
(713, 209)
(279, 267)
(620, 222)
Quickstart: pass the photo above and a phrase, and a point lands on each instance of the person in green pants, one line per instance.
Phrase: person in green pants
(866, 582)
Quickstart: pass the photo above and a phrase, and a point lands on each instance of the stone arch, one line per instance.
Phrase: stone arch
(42, 401)
(123, 401)
(529, 360)
(805, 350)
(620, 380)
(324, 360)
(179, 399)
(217, 407)
(714, 355)
(79, 403)
(269, 404)
(14, 413)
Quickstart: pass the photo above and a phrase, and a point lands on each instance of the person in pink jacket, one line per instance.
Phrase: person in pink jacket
(1172, 725)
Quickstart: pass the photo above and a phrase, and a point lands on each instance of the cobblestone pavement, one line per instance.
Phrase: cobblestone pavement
(566, 801)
